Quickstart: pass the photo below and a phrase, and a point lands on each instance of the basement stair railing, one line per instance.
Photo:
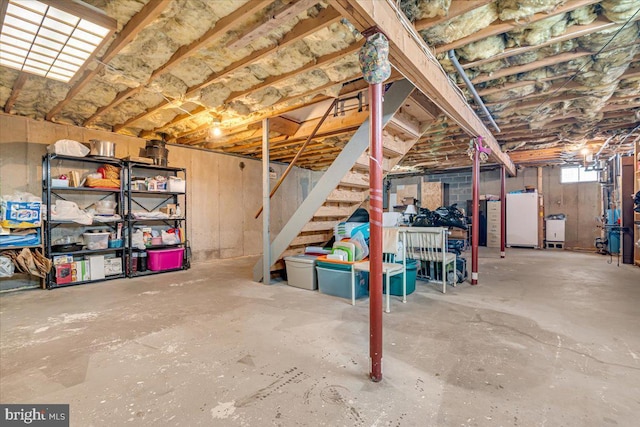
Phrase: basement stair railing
(295, 159)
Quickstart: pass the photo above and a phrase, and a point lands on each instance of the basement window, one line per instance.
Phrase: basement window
(52, 42)
(572, 174)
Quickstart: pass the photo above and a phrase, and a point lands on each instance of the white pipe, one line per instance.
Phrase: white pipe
(476, 97)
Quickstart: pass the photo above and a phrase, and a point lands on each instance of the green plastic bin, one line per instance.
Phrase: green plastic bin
(396, 281)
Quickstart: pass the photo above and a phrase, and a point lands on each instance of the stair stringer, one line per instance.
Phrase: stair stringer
(393, 99)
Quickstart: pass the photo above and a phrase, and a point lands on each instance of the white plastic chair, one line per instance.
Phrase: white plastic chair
(389, 267)
(429, 244)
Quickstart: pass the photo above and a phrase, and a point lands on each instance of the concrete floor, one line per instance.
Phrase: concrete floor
(547, 338)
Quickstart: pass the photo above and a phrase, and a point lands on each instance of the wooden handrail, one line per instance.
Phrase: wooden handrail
(295, 159)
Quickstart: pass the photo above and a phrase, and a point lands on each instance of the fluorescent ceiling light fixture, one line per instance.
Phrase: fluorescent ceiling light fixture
(52, 39)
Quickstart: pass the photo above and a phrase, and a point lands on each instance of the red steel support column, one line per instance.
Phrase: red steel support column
(475, 215)
(503, 212)
(375, 218)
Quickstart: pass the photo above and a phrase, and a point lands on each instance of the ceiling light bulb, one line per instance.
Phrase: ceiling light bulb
(584, 151)
(217, 131)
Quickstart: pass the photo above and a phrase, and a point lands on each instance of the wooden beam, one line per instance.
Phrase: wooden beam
(18, 84)
(281, 125)
(82, 11)
(425, 104)
(544, 62)
(457, 8)
(311, 239)
(312, 65)
(558, 87)
(319, 226)
(270, 22)
(301, 30)
(179, 119)
(3, 10)
(333, 211)
(405, 124)
(272, 80)
(504, 27)
(220, 28)
(408, 56)
(621, 107)
(348, 89)
(549, 60)
(332, 126)
(600, 24)
(136, 24)
(515, 85)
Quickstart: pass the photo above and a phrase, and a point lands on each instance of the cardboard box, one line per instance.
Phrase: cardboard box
(62, 259)
(20, 214)
(112, 266)
(64, 274)
(59, 183)
(80, 271)
(409, 201)
(169, 209)
(96, 267)
(457, 233)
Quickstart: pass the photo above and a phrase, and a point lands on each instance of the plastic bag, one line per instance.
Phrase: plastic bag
(169, 238)
(6, 267)
(68, 147)
(362, 249)
(137, 240)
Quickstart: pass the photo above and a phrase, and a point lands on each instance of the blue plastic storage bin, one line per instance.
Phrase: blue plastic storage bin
(335, 279)
(396, 281)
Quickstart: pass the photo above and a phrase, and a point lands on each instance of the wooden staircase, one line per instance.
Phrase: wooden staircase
(404, 127)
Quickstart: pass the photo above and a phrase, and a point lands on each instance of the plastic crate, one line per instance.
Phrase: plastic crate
(301, 271)
(95, 241)
(396, 281)
(165, 259)
(335, 279)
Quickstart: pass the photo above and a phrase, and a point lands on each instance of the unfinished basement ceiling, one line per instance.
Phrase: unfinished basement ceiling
(556, 75)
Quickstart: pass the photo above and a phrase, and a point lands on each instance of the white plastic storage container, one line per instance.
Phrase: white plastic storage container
(176, 185)
(95, 241)
(301, 271)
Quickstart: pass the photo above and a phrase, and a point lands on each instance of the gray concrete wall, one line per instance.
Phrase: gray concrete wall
(224, 192)
(581, 202)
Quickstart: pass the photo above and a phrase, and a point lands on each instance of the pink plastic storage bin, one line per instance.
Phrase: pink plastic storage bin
(165, 259)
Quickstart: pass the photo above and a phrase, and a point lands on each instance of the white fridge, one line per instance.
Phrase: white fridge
(522, 219)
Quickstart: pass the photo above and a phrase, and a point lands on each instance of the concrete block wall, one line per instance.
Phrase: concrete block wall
(224, 192)
(459, 185)
(581, 202)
